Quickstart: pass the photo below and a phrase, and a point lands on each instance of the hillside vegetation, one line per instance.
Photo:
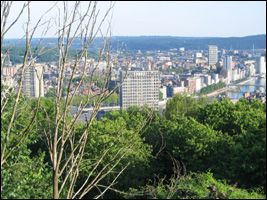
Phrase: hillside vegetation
(195, 150)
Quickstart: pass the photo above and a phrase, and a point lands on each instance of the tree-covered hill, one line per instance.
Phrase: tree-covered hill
(16, 54)
(167, 42)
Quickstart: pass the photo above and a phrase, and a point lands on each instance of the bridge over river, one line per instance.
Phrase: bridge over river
(239, 85)
(106, 108)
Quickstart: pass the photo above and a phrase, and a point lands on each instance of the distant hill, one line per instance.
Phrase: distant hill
(193, 43)
(167, 42)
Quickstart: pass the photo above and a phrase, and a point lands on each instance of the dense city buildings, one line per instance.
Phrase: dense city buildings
(179, 70)
(9, 71)
(257, 94)
(139, 88)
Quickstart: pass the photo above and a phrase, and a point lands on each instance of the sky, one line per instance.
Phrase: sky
(163, 18)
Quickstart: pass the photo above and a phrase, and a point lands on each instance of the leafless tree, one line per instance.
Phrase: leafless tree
(75, 21)
(10, 108)
(28, 60)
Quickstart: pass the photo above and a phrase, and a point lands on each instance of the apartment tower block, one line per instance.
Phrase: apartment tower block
(213, 55)
(33, 83)
(139, 88)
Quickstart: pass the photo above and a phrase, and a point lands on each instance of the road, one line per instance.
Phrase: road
(216, 92)
(103, 108)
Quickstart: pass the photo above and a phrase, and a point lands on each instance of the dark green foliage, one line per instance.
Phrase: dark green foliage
(100, 81)
(114, 98)
(240, 80)
(28, 178)
(49, 54)
(18, 135)
(218, 69)
(226, 138)
(233, 118)
(25, 174)
(192, 186)
(212, 87)
(160, 95)
(181, 105)
(51, 92)
(176, 70)
(118, 130)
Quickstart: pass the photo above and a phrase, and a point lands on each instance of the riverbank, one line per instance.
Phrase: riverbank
(216, 92)
(249, 79)
(229, 87)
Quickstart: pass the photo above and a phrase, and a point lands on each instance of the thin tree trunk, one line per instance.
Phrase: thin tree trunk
(55, 185)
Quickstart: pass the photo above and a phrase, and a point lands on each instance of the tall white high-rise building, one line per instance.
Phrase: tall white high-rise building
(207, 79)
(227, 65)
(198, 84)
(213, 55)
(260, 65)
(139, 88)
(33, 83)
(215, 78)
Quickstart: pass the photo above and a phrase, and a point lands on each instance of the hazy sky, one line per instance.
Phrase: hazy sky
(172, 18)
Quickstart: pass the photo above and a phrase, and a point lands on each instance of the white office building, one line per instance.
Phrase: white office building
(198, 84)
(207, 79)
(251, 69)
(227, 65)
(213, 55)
(215, 78)
(260, 65)
(139, 88)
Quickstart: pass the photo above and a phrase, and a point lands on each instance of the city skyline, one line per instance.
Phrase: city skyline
(167, 18)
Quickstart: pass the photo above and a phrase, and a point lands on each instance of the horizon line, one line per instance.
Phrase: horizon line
(162, 36)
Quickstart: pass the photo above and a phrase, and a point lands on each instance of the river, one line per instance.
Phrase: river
(249, 86)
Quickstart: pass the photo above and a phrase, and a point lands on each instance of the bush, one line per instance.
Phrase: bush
(194, 186)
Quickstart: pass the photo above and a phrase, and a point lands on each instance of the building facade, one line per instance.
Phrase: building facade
(9, 71)
(139, 88)
(213, 55)
(227, 66)
(260, 65)
(33, 83)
